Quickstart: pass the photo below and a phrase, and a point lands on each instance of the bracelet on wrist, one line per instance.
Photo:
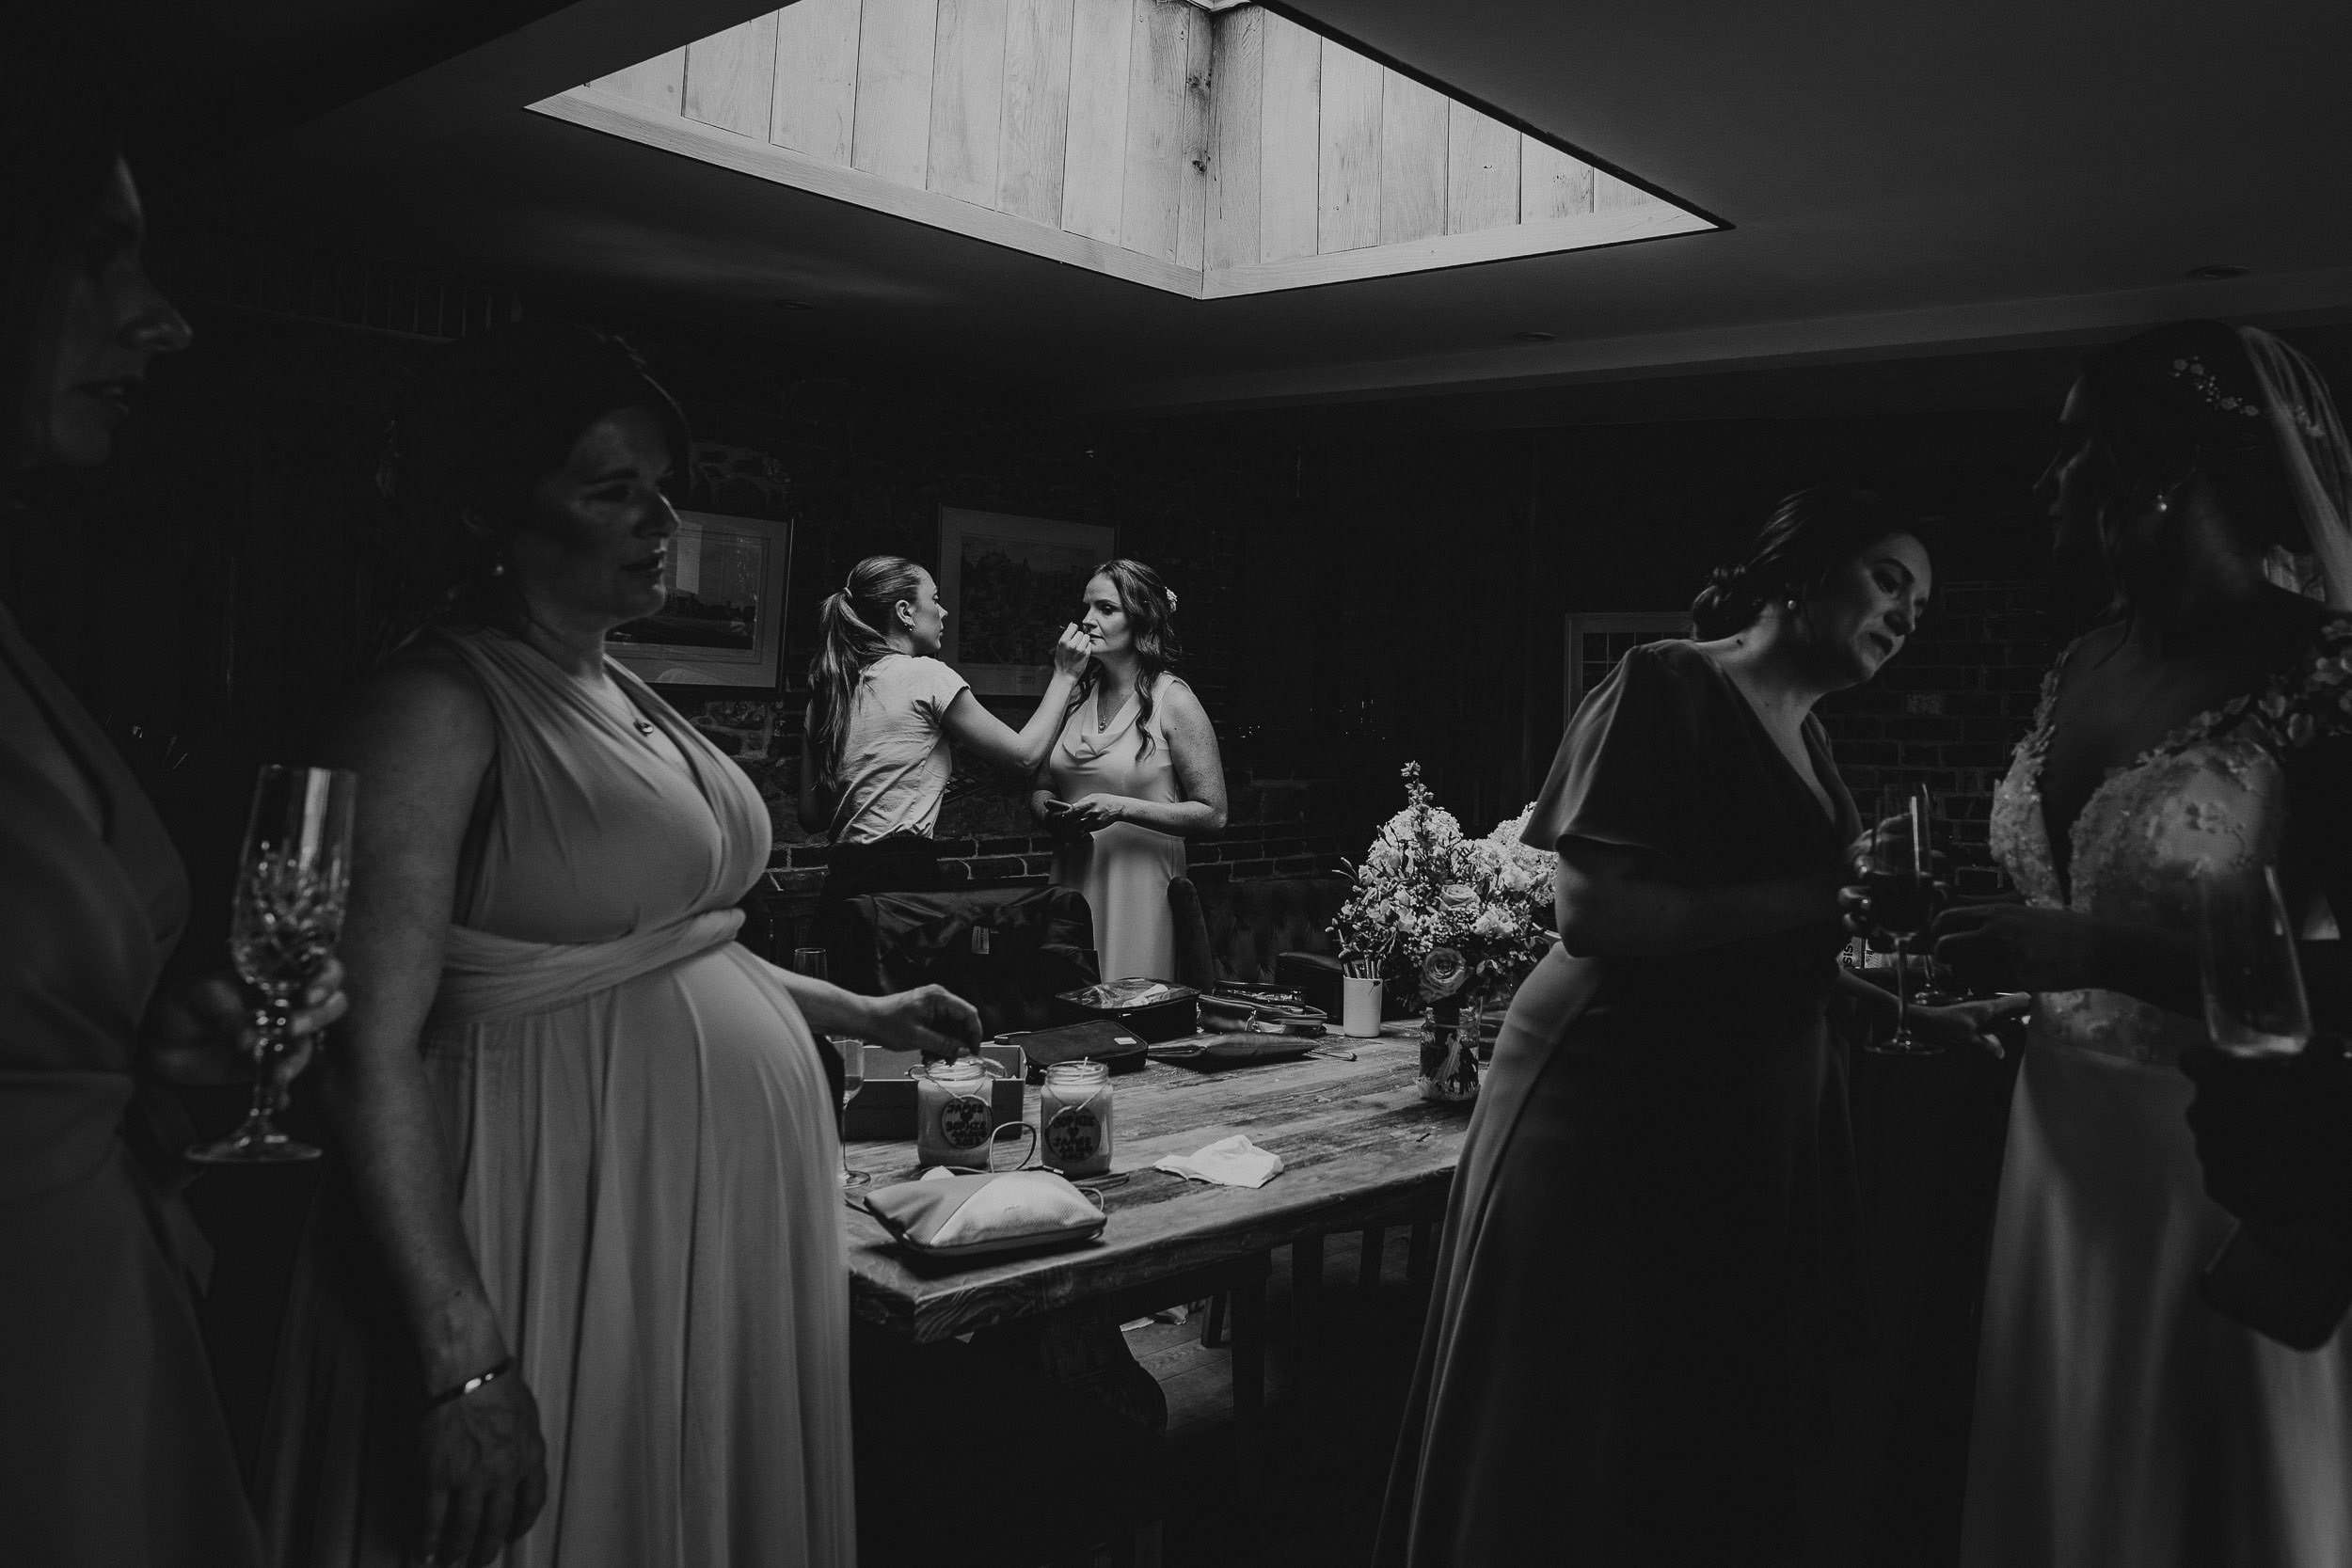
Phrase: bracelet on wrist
(450, 1396)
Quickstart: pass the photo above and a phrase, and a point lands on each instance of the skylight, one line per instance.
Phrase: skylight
(1209, 150)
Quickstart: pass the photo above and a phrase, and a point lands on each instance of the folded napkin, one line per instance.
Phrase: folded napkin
(1235, 1162)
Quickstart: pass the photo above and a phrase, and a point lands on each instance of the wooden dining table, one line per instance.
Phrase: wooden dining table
(1360, 1149)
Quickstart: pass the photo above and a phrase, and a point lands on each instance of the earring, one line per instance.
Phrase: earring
(2164, 504)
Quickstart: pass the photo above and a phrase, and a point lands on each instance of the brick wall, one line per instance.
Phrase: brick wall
(1948, 713)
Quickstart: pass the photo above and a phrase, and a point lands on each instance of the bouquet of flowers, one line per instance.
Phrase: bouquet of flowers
(1424, 885)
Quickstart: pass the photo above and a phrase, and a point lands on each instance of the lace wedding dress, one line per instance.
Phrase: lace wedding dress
(2120, 1421)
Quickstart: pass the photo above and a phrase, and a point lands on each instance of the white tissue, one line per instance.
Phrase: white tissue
(1234, 1161)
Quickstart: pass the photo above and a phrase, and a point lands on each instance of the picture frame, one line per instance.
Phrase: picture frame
(1010, 584)
(720, 631)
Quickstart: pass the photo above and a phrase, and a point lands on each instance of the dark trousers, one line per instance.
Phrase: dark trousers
(903, 862)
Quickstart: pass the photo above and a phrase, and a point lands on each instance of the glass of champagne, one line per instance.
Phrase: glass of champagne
(288, 913)
(1898, 877)
(815, 962)
(852, 1079)
(2247, 961)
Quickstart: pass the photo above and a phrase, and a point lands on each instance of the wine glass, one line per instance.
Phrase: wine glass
(816, 963)
(1898, 877)
(2247, 962)
(852, 1079)
(288, 913)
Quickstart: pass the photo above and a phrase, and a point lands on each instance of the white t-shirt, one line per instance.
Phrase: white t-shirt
(895, 757)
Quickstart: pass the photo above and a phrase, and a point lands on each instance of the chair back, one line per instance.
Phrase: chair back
(1008, 951)
(1236, 931)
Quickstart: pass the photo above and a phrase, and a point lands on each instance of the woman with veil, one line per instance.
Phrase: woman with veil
(2207, 725)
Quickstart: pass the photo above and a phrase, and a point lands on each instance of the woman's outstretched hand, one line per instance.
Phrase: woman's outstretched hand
(2005, 947)
(1072, 650)
(1969, 1023)
(486, 1472)
(203, 1036)
(929, 1019)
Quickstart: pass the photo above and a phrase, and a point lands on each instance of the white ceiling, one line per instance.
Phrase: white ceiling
(1900, 179)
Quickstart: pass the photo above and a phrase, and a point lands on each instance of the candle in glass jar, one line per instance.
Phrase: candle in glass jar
(1073, 1117)
(952, 1115)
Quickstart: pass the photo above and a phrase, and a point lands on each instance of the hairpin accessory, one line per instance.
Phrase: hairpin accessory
(2208, 386)
(1171, 599)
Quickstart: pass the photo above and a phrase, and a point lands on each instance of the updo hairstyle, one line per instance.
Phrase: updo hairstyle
(1811, 534)
(2184, 401)
(485, 421)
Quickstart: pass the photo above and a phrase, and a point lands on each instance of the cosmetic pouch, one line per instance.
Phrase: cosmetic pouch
(1156, 1009)
(1247, 1015)
(972, 1216)
(1114, 1045)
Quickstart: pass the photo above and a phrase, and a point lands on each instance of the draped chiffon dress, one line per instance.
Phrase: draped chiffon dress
(1651, 1257)
(642, 1137)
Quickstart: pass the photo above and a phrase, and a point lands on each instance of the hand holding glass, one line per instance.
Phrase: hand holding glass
(1898, 879)
(292, 886)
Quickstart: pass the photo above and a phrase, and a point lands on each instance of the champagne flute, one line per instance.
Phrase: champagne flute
(1898, 879)
(288, 913)
(852, 1079)
(816, 963)
(2247, 962)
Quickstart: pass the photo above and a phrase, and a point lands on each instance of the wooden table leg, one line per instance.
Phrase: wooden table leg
(1368, 1267)
(1248, 1335)
(1306, 1317)
(1418, 1252)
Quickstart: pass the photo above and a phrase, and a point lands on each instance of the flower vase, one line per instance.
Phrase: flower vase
(1448, 1057)
(1475, 1032)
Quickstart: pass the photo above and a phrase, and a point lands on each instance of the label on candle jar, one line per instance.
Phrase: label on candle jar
(1074, 1136)
(963, 1122)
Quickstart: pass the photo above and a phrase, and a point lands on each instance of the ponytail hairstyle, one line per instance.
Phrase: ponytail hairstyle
(852, 628)
(1810, 535)
(1151, 622)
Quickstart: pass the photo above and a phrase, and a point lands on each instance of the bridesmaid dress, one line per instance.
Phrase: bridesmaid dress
(1650, 1256)
(2118, 1418)
(113, 1451)
(1123, 870)
(643, 1143)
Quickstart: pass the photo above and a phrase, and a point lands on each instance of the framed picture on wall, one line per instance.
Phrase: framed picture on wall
(1596, 643)
(1010, 584)
(722, 622)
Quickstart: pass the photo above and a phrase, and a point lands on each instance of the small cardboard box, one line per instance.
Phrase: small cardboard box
(885, 1107)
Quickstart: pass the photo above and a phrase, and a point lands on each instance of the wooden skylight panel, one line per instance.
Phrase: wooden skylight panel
(1206, 149)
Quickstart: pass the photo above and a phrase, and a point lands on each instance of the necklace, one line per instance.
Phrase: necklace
(1102, 720)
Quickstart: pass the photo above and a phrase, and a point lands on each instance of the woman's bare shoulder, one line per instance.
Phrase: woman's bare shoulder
(424, 697)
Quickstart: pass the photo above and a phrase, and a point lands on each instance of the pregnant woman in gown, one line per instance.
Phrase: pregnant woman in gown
(1135, 773)
(1650, 1257)
(2119, 1419)
(589, 1135)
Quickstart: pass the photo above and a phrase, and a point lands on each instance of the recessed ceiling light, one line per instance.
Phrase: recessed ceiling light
(2218, 273)
(1530, 337)
(792, 305)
